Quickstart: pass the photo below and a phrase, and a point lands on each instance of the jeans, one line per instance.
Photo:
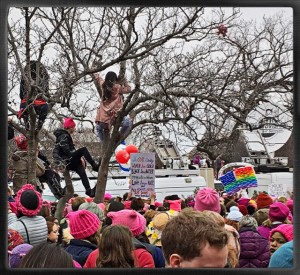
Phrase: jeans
(126, 126)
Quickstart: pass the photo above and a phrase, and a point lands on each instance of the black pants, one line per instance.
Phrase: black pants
(41, 111)
(76, 165)
(53, 180)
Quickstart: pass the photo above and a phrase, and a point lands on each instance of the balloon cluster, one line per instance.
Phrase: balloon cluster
(123, 153)
(222, 30)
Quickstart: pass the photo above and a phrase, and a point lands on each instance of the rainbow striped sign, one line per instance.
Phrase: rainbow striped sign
(239, 178)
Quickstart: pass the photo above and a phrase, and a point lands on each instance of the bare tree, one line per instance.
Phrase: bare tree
(186, 77)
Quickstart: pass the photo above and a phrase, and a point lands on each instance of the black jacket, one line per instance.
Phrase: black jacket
(64, 146)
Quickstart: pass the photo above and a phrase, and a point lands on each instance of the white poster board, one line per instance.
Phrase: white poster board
(277, 189)
(142, 174)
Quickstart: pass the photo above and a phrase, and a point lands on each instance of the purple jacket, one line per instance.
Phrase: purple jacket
(265, 231)
(254, 249)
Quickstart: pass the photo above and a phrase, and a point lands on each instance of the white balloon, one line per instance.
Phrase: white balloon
(120, 147)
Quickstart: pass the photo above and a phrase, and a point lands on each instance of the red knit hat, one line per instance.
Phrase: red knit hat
(207, 199)
(21, 142)
(243, 209)
(69, 123)
(278, 212)
(28, 201)
(130, 218)
(263, 201)
(14, 239)
(285, 229)
(175, 205)
(83, 223)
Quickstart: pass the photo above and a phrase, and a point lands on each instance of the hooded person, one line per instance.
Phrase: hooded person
(66, 155)
(20, 165)
(29, 224)
(283, 257)
(137, 225)
(16, 255)
(278, 214)
(85, 228)
(207, 199)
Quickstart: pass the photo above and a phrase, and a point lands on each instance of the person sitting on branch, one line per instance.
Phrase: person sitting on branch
(65, 153)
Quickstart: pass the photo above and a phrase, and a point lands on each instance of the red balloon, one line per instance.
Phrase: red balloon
(131, 149)
(122, 157)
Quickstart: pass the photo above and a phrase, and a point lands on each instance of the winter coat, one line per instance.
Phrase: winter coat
(64, 146)
(142, 258)
(80, 250)
(109, 108)
(155, 251)
(36, 227)
(254, 249)
(20, 165)
(265, 230)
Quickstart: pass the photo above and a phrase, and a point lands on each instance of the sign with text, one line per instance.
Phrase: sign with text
(277, 189)
(142, 174)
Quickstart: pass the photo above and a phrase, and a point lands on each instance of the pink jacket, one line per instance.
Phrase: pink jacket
(109, 108)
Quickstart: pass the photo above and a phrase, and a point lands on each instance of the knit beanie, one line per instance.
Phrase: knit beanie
(21, 142)
(14, 239)
(127, 204)
(285, 229)
(290, 205)
(28, 201)
(17, 254)
(131, 218)
(243, 201)
(243, 209)
(278, 212)
(234, 214)
(93, 207)
(69, 123)
(207, 199)
(115, 206)
(253, 203)
(263, 201)
(107, 196)
(175, 205)
(83, 223)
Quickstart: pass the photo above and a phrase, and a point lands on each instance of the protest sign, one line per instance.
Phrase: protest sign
(142, 174)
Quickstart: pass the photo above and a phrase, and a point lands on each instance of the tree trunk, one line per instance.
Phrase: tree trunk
(62, 201)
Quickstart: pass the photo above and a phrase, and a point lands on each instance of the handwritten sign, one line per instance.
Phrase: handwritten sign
(277, 189)
(142, 174)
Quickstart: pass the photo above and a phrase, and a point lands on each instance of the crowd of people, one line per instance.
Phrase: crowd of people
(209, 229)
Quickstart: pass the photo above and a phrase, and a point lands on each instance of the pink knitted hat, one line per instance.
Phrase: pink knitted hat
(175, 205)
(83, 223)
(134, 220)
(127, 204)
(278, 212)
(207, 199)
(107, 196)
(28, 201)
(243, 201)
(69, 123)
(290, 204)
(286, 230)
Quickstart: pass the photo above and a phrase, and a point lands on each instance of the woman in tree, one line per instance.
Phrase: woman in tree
(111, 103)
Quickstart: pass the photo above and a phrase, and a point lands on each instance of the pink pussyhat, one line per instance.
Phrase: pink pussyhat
(175, 205)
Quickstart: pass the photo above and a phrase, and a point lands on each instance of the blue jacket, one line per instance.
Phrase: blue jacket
(80, 250)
